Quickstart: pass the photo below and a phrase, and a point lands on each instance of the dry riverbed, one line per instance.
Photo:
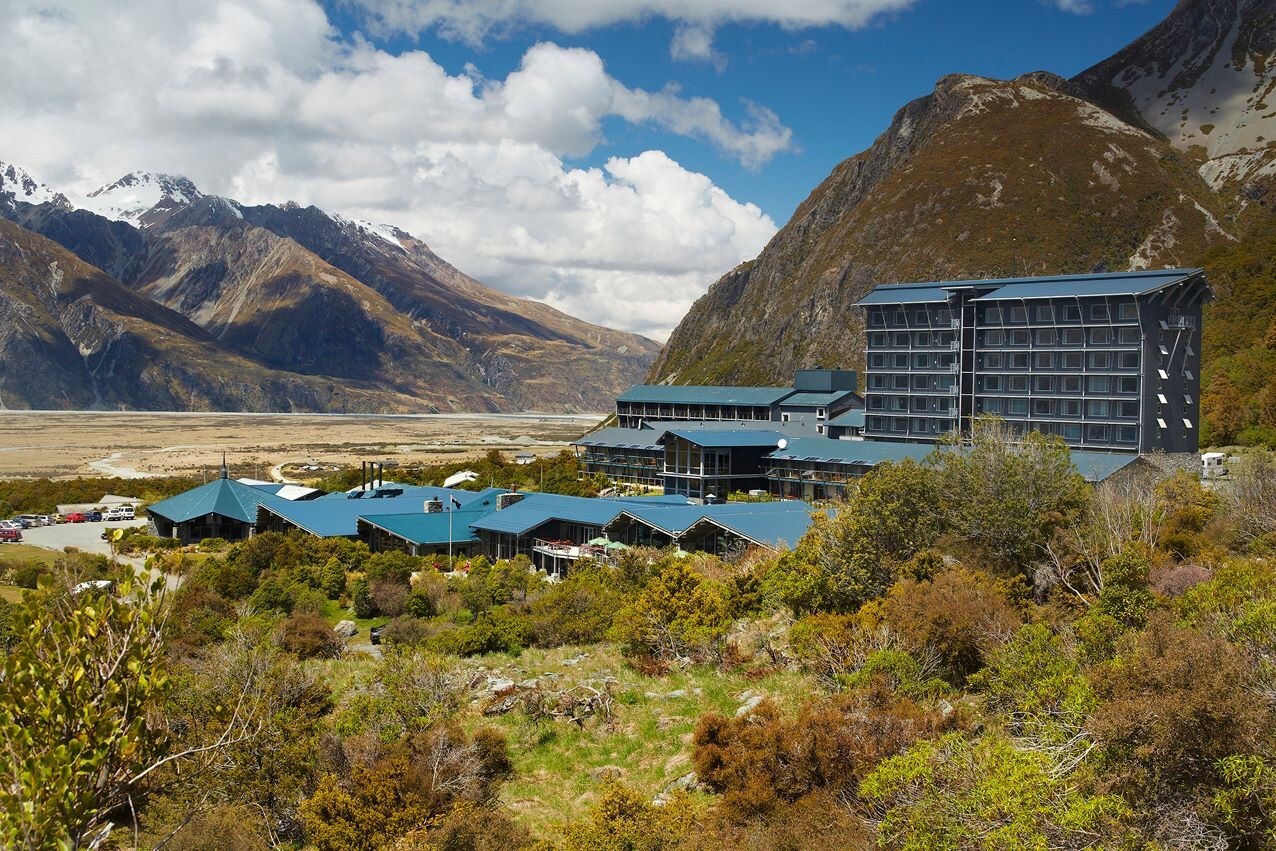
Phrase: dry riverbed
(67, 444)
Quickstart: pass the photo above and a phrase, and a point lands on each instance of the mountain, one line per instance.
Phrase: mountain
(1036, 175)
(72, 337)
(309, 292)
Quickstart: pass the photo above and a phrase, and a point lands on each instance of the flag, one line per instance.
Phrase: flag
(456, 502)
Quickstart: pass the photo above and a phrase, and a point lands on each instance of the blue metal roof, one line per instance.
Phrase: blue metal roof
(1115, 284)
(851, 419)
(766, 523)
(436, 528)
(621, 438)
(860, 452)
(905, 294)
(775, 529)
(693, 394)
(226, 497)
(727, 438)
(534, 509)
(1097, 466)
(816, 400)
(331, 518)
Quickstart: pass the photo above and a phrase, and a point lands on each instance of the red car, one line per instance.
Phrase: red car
(10, 536)
(77, 517)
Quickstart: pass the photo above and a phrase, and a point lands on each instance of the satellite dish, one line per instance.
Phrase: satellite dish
(782, 444)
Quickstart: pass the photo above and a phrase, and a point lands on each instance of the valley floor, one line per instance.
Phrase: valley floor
(132, 444)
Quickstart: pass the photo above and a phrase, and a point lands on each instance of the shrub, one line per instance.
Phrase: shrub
(271, 595)
(960, 614)
(679, 613)
(389, 595)
(496, 631)
(213, 545)
(361, 599)
(407, 630)
(27, 574)
(308, 636)
(578, 610)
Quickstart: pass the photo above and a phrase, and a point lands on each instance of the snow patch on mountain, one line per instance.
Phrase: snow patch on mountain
(134, 195)
(387, 232)
(18, 185)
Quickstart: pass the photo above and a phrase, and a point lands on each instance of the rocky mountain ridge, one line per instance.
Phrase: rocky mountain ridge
(981, 178)
(313, 293)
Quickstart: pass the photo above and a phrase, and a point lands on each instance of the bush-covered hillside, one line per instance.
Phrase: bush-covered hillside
(978, 651)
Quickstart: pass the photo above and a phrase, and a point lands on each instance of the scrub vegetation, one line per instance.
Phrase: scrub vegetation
(980, 651)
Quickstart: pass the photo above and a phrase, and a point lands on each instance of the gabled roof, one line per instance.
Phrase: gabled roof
(621, 438)
(420, 528)
(803, 399)
(536, 509)
(850, 419)
(726, 438)
(775, 529)
(226, 497)
(693, 394)
(331, 518)
(765, 523)
(1044, 286)
(1097, 466)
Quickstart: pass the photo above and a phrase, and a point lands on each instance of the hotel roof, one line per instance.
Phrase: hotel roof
(330, 517)
(438, 527)
(770, 524)
(1049, 286)
(226, 497)
(726, 438)
(807, 399)
(694, 394)
(536, 509)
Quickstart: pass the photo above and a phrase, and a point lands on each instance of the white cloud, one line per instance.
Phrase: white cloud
(695, 43)
(260, 100)
(1075, 7)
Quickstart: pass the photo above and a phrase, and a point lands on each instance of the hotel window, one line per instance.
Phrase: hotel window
(1018, 360)
(990, 406)
(1043, 360)
(919, 403)
(1128, 434)
(1072, 336)
(1071, 313)
(877, 339)
(899, 403)
(877, 403)
(1129, 410)
(1096, 384)
(1019, 338)
(1128, 360)
(901, 338)
(1069, 407)
(1046, 336)
(1044, 313)
(991, 382)
(992, 315)
(1071, 432)
(1070, 383)
(1072, 360)
(1017, 383)
(900, 360)
(1098, 312)
(1100, 336)
(921, 338)
(920, 317)
(900, 318)
(1043, 384)
(901, 382)
(942, 316)
(877, 382)
(1128, 334)
(1096, 407)
(875, 423)
(1018, 315)
(899, 424)
(1128, 384)
(876, 319)
(921, 382)
(1042, 407)
(1096, 433)
(1099, 360)
(1128, 310)
(921, 361)
(877, 360)
(991, 360)
(994, 338)
(1016, 406)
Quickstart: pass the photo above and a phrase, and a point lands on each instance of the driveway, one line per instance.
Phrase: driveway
(82, 536)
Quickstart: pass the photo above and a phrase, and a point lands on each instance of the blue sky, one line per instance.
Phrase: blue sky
(611, 158)
(836, 88)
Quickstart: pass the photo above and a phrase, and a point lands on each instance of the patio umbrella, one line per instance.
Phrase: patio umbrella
(615, 545)
(599, 542)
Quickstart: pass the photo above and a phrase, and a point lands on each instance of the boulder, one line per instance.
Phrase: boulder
(346, 629)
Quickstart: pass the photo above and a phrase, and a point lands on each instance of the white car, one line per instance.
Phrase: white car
(33, 519)
(124, 512)
(11, 524)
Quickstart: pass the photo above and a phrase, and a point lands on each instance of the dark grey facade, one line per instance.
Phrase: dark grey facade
(1105, 361)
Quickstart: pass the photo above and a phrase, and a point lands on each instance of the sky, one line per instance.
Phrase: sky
(609, 157)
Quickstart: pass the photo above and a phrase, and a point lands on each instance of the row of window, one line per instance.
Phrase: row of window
(906, 381)
(1123, 384)
(1127, 335)
(1058, 360)
(909, 425)
(937, 404)
(911, 360)
(941, 317)
(1017, 314)
(1071, 408)
(918, 339)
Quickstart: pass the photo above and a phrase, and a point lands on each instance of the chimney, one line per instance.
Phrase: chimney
(225, 470)
(433, 506)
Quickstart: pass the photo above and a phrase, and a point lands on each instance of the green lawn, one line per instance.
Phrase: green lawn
(332, 612)
(27, 552)
(12, 593)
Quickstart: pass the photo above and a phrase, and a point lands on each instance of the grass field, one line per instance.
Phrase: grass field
(11, 593)
(27, 552)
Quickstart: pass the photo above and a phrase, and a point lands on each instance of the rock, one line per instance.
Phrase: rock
(686, 783)
(651, 695)
(346, 629)
(499, 684)
(676, 694)
(946, 709)
(749, 705)
(745, 695)
(606, 772)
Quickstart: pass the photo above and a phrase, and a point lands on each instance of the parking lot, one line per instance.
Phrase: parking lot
(82, 536)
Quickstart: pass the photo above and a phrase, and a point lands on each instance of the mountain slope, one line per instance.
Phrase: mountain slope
(306, 291)
(72, 337)
(980, 178)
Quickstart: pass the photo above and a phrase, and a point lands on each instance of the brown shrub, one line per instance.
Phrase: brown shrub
(389, 595)
(764, 761)
(308, 636)
(816, 820)
(960, 614)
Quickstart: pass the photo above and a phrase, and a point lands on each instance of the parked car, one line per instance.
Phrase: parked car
(35, 519)
(11, 524)
(94, 516)
(76, 517)
(10, 536)
(57, 518)
(374, 634)
(121, 512)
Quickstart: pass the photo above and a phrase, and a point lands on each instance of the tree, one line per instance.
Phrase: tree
(1223, 410)
(679, 613)
(847, 559)
(1004, 494)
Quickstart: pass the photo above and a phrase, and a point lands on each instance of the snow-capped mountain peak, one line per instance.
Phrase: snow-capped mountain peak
(135, 196)
(17, 184)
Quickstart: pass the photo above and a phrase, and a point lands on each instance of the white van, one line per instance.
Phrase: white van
(119, 512)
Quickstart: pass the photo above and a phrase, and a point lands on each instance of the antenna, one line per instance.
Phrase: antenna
(782, 443)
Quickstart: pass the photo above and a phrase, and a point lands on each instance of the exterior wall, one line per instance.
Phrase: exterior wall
(1102, 372)
(208, 526)
(634, 414)
(811, 481)
(696, 471)
(912, 385)
(631, 466)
